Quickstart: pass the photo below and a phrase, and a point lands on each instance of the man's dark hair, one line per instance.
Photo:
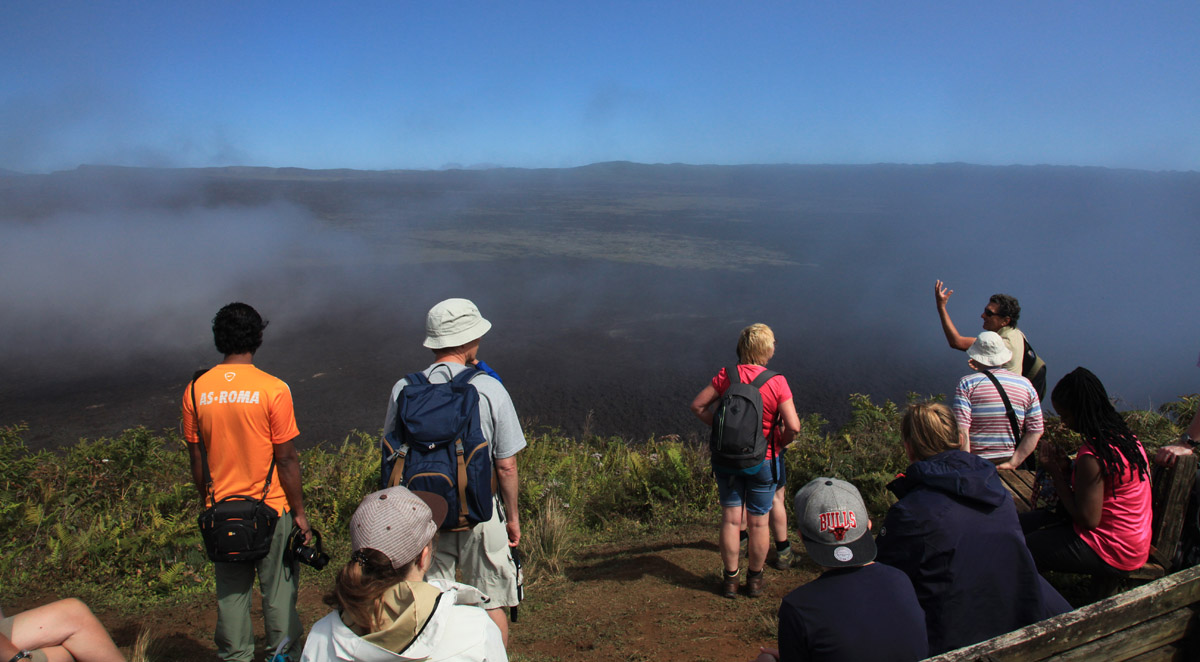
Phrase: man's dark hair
(238, 329)
(1007, 306)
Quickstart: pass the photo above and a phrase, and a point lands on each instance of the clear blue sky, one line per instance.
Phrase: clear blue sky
(400, 84)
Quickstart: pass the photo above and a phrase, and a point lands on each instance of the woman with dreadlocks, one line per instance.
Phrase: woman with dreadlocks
(1107, 496)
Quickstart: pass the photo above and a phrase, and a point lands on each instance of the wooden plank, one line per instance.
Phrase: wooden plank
(1172, 653)
(1148, 572)
(1021, 491)
(1072, 629)
(1170, 505)
(1027, 477)
(1137, 640)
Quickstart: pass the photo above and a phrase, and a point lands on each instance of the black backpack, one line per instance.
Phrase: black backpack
(737, 443)
(1036, 377)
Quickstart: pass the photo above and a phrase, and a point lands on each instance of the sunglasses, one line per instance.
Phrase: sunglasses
(988, 313)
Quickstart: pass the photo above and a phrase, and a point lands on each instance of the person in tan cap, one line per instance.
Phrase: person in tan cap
(483, 553)
(385, 610)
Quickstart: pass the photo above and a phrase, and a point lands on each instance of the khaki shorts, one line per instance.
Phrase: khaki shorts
(483, 557)
(6, 629)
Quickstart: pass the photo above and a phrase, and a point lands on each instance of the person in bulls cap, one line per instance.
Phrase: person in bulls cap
(856, 609)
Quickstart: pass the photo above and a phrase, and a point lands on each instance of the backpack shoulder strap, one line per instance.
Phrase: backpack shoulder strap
(416, 378)
(732, 373)
(1012, 415)
(763, 377)
(467, 375)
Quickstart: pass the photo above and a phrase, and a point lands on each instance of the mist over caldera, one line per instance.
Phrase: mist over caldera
(616, 290)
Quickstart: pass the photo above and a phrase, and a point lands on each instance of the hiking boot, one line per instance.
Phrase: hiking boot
(729, 587)
(754, 585)
(783, 560)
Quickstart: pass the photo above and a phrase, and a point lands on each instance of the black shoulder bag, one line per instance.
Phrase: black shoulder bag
(237, 528)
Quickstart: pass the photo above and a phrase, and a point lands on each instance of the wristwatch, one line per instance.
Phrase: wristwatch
(21, 655)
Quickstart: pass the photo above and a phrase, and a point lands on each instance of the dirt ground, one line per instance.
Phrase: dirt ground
(654, 598)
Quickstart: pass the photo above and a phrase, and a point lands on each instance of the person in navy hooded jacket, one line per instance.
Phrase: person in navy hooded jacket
(954, 532)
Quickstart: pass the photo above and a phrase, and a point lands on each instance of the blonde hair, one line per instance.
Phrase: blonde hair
(929, 428)
(755, 345)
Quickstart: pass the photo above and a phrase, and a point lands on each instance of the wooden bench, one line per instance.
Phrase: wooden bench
(1020, 483)
(1157, 621)
(1171, 487)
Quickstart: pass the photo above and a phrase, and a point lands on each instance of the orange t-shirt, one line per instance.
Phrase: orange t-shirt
(244, 412)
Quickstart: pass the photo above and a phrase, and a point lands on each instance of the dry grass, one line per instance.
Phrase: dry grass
(551, 540)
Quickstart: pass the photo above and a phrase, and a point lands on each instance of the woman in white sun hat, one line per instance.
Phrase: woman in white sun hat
(386, 612)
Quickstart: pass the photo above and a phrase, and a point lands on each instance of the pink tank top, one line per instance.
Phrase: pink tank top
(1122, 539)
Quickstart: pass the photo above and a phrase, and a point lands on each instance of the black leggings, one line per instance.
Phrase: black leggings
(1052, 541)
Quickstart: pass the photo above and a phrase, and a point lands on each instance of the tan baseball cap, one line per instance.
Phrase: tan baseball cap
(397, 523)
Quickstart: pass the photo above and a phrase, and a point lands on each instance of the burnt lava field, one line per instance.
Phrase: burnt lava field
(616, 290)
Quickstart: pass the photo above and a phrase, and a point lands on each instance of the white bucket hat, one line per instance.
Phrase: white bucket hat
(454, 322)
(990, 349)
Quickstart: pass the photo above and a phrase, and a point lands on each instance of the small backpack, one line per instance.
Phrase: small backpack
(1034, 369)
(437, 446)
(737, 443)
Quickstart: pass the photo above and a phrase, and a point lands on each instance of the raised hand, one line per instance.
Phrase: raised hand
(941, 293)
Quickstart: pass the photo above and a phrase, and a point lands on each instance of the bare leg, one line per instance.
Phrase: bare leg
(731, 524)
(501, 620)
(760, 539)
(68, 624)
(778, 513)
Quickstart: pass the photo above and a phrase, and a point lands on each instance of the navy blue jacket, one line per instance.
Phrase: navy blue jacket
(954, 532)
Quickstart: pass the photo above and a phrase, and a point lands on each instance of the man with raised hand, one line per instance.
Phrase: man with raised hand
(1000, 316)
(245, 418)
(453, 329)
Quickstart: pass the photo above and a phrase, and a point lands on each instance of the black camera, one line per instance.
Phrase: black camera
(313, 556)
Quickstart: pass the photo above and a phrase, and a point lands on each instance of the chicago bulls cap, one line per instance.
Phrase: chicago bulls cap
(834, 523)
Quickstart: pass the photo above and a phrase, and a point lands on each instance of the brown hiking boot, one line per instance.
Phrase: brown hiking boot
(783, 560)
(754, 585)
(729, 587)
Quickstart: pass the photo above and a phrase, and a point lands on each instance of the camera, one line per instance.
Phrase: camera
(313, 556)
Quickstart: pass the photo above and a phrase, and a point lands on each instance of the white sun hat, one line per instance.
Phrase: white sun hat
(454, 322)
(990, 349)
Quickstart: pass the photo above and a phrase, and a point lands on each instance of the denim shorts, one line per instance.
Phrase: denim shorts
(756, 492)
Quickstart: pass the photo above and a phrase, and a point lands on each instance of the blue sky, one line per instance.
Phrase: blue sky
(381, 85)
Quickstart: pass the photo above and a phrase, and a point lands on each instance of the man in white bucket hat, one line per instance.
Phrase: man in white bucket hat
(483, 552)
(998, 412)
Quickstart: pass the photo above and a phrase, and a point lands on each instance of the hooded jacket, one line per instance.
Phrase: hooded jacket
(458, 630)
(954, 532)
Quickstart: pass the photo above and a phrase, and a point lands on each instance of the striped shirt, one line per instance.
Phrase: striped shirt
(979, 408)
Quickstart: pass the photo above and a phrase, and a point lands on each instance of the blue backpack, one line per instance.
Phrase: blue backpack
(437, 446)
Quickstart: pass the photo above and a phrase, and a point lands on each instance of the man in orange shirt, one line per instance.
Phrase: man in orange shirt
(244, 418)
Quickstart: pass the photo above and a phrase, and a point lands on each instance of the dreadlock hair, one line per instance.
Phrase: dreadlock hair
(1093, 416)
